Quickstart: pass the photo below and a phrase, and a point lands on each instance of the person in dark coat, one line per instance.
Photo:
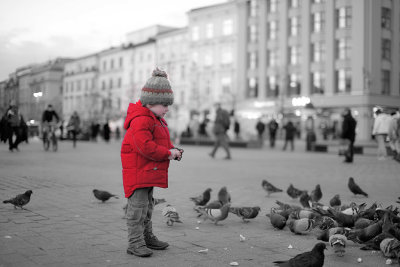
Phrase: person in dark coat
(290, 132)
(349, 133)
(273, 128)
(74, 125)
(221, 126)
(106, 132)
(260, 127)
(236, 129)
(15, 124)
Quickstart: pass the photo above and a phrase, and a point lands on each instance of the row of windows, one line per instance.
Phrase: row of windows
(226, 58)
(79, 85)
(227, 29)
(111, 84)
(317, 85)
(113, 64)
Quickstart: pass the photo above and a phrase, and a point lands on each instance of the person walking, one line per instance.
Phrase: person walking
(260, 127)
(74, 126)
(272, 128)
(348, 134)
(290, 132)
(15, 123)
(221, 126)
(381, 131)
(236, 129)
(146, 153)
(394, 134)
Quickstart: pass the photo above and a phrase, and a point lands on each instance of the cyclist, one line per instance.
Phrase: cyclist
(50, 119)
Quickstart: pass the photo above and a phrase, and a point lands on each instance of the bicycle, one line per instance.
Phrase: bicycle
(49, 137)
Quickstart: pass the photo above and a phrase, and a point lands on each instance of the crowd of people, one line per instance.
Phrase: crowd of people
(15, 130)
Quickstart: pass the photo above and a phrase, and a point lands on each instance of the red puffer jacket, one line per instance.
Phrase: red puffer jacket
(144, 150)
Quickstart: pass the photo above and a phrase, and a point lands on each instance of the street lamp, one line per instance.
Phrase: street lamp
(37, 96)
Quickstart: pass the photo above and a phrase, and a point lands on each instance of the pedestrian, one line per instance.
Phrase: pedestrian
(236, 129)
(394, 134)
(290, 132)
(94, 128)
(74, 126)
(15, 124)
(221, 126)
(272, 128)
(260, 127)
(106, 132)
(348, 134)
(380, 131)
(203, 128)
(146, 152)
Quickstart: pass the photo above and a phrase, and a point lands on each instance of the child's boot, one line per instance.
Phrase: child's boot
(153, 242)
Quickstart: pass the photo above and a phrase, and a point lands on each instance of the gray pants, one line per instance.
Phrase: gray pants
(139, 211)
(221, 140)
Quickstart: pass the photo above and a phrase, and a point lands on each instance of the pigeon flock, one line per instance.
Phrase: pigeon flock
(373, 227)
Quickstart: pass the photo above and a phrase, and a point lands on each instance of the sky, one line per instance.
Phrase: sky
(40, 30)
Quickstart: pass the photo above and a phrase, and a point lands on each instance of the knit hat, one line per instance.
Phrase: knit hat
(157, 89)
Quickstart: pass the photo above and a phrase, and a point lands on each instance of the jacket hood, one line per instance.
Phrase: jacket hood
(135, 110)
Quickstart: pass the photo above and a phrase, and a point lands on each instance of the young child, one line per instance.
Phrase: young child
(145, 154)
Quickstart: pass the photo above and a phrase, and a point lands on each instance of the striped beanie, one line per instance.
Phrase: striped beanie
(157, 89)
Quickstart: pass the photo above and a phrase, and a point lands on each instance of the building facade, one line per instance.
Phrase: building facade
(333, 54)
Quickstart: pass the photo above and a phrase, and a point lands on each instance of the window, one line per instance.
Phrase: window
(253, 33)
(294, 85)
(386, 18)
(343, 81)
(253, 87)
(272, 6)
(121, 62)
(253, 8)
(112, 64)
(195, 33)
(294, 54)
(318, 22)
(386, 49)
(103, 85)
(226, 83)
(104, 65)
(208, 60)
(110, 83)
(226, 57)
(272, 30)
(318, 52)
(78, 85)
(294, 3)
(272, 86)
(119, 82)
(272, 58)
(209, 31)
(343, 48)
(86, 85)
(385, 82)
(317, 83)
(294, 25)
(227, 27)
(343, 17)
(252, 60)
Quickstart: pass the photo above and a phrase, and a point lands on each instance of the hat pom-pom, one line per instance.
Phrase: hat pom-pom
(159, 73)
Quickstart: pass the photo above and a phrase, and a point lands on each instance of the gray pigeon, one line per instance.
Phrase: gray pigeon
(316, 194)
(354, 188)
(20, 200)
(270, 188)
(202, 199)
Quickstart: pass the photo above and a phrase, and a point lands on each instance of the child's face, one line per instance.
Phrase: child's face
(159, 110)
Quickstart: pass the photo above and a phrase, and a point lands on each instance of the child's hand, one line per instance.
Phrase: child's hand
(175, 154)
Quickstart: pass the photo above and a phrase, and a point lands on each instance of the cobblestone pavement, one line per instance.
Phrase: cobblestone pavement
(64, 225)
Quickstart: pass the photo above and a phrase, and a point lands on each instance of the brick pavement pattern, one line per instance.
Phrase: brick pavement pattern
(64, 225)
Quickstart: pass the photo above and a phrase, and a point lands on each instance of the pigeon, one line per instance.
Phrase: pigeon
(245, 212)
(354, 209)
(224, 196)
(326, 234)
(277, 220)
(316, 194)
(313, 258)
(361, 223)
(293, 192)
(335, 201)
(20, 200)
(305, 200)
(103, 195)
(366, 234)
(305, 213)
(354, 188)
(216, 204)
(338, 242)
(326, 222)
(370, 212)
(270, 188)
(390, 247)
(157, 201)
(398, 201)
(171, 214)
(300, 226)
(374, 243)
(214, 215)
(202, 199)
